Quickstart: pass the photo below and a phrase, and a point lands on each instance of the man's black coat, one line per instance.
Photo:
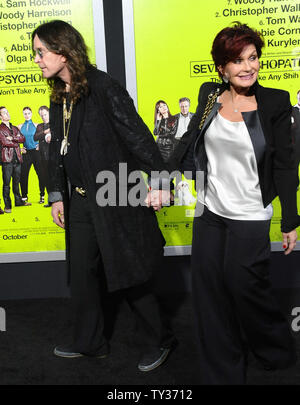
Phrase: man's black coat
(111, 132)
(296, 132)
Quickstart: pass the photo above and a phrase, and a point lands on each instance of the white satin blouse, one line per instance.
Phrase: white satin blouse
(233, 189)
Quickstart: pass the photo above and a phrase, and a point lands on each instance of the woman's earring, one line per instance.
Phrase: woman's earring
(225, 79)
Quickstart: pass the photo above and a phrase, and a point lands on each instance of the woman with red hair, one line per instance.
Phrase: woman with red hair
(240, 138)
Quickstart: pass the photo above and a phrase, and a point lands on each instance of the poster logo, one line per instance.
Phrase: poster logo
(275, 67)
(203, 68)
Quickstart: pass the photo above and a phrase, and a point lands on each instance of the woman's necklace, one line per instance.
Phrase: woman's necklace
(235, 109)
(66, 125)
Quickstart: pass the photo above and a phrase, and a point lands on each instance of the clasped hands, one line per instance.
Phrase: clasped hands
(159, 198)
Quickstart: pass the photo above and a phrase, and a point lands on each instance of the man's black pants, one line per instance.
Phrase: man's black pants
(86, 276)
(234, 308)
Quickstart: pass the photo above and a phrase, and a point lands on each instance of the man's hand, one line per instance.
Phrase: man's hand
(289, 241)
(159, 198)
(57, 213)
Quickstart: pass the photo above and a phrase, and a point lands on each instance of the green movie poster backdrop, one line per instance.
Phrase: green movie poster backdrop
(173, 41)
(30, 229)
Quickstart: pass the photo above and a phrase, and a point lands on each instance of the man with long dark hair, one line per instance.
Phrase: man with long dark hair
(95, 128)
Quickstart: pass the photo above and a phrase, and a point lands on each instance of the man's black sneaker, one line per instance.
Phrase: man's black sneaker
(68, 353)
(153, 358)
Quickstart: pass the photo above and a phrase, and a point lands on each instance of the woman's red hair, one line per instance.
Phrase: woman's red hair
(230, 42)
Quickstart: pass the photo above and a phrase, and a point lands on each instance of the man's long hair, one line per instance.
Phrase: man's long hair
(61, 38)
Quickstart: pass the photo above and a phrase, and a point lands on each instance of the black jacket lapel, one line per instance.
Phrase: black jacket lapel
(252, 122)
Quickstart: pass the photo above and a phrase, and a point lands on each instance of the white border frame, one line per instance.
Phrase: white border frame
(129, 49)
(25, 257)
(99, 35)
(61, 255)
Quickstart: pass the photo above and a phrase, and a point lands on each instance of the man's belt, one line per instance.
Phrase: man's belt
(80, 191)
